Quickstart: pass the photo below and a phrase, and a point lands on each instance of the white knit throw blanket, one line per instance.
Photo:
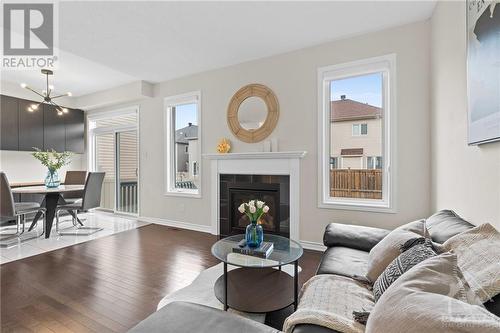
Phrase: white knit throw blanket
(329, 300)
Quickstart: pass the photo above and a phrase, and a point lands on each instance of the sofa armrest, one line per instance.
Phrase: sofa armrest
(184, 317)
(353, 236)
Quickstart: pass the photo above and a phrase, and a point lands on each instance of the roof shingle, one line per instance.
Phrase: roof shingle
(348, 109)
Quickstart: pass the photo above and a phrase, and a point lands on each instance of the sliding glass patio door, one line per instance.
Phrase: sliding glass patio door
(127, 171)
(114, 150)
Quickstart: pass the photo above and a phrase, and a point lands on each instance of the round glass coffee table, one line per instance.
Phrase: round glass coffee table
(258, 285)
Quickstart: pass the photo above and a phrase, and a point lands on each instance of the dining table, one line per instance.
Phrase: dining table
(52, 197)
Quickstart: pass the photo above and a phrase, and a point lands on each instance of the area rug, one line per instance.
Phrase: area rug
(201, 291)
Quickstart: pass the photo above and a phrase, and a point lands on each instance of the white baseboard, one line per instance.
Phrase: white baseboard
(209, 230)
(177, 224)
(312, 246)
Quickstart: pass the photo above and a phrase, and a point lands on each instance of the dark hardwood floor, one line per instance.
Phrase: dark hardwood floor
(108, 284)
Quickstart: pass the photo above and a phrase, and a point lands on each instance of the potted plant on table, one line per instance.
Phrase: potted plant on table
(254, 209)
(53, 161)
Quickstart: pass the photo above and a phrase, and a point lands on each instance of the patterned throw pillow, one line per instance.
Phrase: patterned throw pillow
(414, 251)
(389, 248)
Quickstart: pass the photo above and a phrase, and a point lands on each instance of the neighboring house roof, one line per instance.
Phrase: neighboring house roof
(187, 133)
(346, 109)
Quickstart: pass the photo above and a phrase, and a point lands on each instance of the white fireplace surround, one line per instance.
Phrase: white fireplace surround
(267, 163)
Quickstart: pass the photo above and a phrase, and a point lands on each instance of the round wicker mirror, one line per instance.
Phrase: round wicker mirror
(249, 119)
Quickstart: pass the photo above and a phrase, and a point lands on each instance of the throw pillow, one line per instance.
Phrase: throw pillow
(388, 249)
(415, 252)
(431, 297)
(478, 256)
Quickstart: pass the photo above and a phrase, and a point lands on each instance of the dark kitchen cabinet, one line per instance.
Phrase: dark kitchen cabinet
(22, 130)
(30, 126)
(9, 122)
(54, 134)
(75, 131)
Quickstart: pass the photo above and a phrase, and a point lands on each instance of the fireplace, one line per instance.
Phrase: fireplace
(272, 189)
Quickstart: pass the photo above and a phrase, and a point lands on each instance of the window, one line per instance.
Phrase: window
(351, 98)
(374, 162)
(359, 129)
(334, 163)
(183, 145)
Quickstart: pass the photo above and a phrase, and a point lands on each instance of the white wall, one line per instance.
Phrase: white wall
(464, 178)
(293, 77)
(21, 167)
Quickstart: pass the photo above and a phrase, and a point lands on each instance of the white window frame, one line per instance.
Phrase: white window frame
(169, 144)
(387, 65)
(360, 126)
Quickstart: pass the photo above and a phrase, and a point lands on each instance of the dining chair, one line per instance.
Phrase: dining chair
(71, 178)
(15, 211)
(74, 178)
(91, 199)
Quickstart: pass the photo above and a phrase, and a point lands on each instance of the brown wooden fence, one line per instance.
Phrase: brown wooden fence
(356, 183)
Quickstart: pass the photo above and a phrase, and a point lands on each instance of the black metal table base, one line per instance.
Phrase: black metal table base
(295, 285)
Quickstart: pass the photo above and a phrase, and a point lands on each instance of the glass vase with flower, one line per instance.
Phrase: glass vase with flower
(53, 161)
(254, 209)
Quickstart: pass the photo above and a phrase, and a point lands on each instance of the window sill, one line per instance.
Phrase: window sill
(374, 207)
(184, 194)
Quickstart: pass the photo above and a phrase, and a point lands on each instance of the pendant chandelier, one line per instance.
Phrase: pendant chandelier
(46, 95)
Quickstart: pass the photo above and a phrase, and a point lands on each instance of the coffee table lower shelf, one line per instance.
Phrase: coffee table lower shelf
(256, 290)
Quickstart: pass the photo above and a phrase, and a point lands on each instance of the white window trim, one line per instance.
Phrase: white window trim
(168, 171)
(387, 65)
(360, 131)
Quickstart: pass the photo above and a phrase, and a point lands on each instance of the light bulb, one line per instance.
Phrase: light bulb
(59, 113)
(23, 85)
(64, 110)
(30, 109)
(69, 94)
(34, 106)
(51, 87)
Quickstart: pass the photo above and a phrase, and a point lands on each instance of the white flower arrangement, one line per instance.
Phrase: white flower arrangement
(254, 209)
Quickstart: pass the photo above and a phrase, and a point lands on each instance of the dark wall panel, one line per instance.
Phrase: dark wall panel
(30, 127)
(9, 123)
(75, 131)
(54, 134)
(43, 128)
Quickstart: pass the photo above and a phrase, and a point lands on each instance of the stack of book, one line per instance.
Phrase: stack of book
(263, 251)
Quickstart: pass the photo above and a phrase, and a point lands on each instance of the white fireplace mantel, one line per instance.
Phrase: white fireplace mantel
(258, 163)
(257, 155)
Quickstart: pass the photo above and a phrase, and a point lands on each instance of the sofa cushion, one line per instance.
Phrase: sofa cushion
(446, 224)
(420, 250)
(353, 236)
(478, 256)
(388, 248)
(431, 297)
(189, 317)
(344, 261)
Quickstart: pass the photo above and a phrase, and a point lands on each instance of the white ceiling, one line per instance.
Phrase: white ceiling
(107, 44)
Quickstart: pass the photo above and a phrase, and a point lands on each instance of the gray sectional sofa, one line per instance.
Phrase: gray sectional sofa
(347, 255)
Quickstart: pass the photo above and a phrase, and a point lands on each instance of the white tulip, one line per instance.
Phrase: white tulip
(241, 208)
(253, 209)
(265, 209)
(260, 204)
(251, 203)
